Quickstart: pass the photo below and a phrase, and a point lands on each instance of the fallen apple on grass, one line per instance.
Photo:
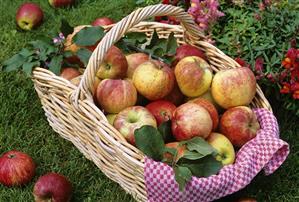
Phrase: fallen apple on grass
(191, 120)
(114, 66)
(233, 87)
(102, 21)
(193, 76)
(29, 16)
(239, 125)
(114, 95)
(61, 3)
(162, 110)
(132, 118)
(153, 79)
(225, 149)
(16, 168)
(52, 187)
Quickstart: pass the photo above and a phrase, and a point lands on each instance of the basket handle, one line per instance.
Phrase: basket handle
(122, 27)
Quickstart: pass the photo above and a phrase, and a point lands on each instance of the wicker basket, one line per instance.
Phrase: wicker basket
(73, 114)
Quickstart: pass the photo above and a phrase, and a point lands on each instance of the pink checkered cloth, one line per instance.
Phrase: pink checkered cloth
(266, 151)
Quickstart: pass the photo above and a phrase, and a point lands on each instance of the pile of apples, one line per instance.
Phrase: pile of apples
(134, 90)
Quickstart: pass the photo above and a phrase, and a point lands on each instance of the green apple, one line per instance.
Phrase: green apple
(110, 118)
(226, 152)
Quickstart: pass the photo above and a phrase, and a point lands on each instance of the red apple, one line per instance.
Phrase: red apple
(175, 96)
(153, 79)
(180, 149)
(210, 108)
(61, 3)
(16, 168)
(69, 73)
(191, 120)
(162, 110)
(29, 16)
(52, 187)
(193, 76)
(132, 118)
(239, 125)
(187, 50)
(114, 66)
(116, 95)
(102, 21)
(233, 87)
(134, 60)
(246, 199)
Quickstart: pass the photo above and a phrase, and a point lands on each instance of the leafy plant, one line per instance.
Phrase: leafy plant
(198, 159)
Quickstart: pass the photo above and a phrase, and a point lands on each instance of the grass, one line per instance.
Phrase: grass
(24, 127)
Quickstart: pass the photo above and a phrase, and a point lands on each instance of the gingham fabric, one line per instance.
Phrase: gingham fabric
(266, 151)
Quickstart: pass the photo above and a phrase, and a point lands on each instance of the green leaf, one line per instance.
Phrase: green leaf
(27, 67)
(191, 155)
(88, 36)
(182, 176)
(55, 64)
(84, 55)
(150, 142)
(67, 54)
(172, 44)
(200, 145)
(204, 167)
(26, 52)
(165, 130)
(13, 63)
(66, 28)
(135, 38)
(171, 151)
(154, 40)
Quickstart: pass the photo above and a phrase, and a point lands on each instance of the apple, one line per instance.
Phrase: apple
(180, 149)
(61, 3)
(52, 187)
(102, 21)
(76, 80)
(175, 96)
(132, 118)
(162, 110)
(153, 79)
(239, 125)
(114, 95)
(193, 76)
(186, 50)
(208, 96)
(190, 120)
(111, 118)
(225, 149)
(114, 66)
(16, 168)
(95, 85)
(29, 16)
(134, 60)
(69, 73)
(210, 108)
(233, 87)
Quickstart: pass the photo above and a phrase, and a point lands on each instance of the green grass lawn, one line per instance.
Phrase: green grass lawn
(24, 127)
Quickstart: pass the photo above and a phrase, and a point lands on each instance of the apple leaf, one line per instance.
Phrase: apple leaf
(203, 167)
(182, 176)
(165, 130)
(55, 64)
(154, 41)
(28, 66)
(66, 28)
(135, 38)
(150, 142)
(192, 155)
(84, 55)
(199, 145)
(171, 45)
(13, 63)
(89, 36)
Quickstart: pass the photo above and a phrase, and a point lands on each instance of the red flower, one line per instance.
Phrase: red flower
(259, 62)
(242, 62)
(287, 63)
(285, 89)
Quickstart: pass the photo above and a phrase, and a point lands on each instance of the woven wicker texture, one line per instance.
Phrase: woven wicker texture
(72, 113)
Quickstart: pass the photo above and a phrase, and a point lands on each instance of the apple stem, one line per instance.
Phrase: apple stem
(11, 156)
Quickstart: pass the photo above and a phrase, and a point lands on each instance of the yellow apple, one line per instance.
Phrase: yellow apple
(111, 118)
(226, 152)
(193, 76)
(233, 87)
(153, 79)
